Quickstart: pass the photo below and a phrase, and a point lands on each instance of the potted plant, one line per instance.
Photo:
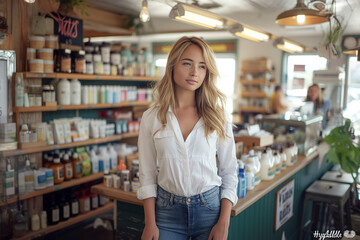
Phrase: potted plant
(66, 7)
(344, 151)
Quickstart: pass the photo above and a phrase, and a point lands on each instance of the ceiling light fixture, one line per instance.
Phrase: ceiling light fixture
(29, 1)
(302, 15)
(144, 14)
(197, 16)
(288, 46)
(250, 33)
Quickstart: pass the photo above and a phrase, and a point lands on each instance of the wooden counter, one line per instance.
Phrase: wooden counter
(251, 197)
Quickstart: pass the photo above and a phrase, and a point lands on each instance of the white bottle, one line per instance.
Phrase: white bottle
(266, 174)
(21, 181)
(104, 161)
(94, 161)
(254, 163)
(75, 87)
(283, 159)
(114, 157)
(29, 177)
(43, 219)
(9, 180)
(35, 222)
(84, 95)
(95, 94)
(277, 160)
(249, 169)
(19, 90)
(289, 155)
(63, 92)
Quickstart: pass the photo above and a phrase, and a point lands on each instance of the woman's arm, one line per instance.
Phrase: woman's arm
(151, 231)
(221, 228)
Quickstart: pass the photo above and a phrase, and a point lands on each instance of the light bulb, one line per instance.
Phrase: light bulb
(29, 1)
(300, 19)
(144, 14)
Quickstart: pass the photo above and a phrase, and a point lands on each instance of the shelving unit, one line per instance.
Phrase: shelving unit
(64, 185)
(253, 94)
(253, 109)
(116, 194)
(69, 222)
(113, 138)
(80, 76)
(81, 106)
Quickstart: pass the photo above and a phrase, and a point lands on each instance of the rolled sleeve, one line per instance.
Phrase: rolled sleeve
(228, 166)
(147, 158)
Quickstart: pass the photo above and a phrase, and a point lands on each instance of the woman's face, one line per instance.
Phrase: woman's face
(190, 71)
(313, 93)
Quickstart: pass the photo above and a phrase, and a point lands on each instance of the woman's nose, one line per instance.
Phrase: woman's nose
(193, 71)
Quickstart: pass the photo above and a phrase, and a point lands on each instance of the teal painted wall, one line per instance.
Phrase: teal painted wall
(257, 221)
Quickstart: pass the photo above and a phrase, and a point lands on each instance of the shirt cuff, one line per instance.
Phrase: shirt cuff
(147, 192)
(230, 195)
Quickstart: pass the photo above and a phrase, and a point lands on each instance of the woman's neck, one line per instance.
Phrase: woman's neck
(184, 99)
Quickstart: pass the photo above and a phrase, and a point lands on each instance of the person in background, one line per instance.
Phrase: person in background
(277, 101)
(321, 106)
(190, 194)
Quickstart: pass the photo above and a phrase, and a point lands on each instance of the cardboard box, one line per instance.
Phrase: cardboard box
(250, 142)
(8, 132)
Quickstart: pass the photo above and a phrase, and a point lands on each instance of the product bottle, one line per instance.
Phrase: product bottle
(68, 167)
(283, 158)
(84, 202)
(250, 181)
(21, 181)
(84, 95)
(63, 92)
(19, 90)
(58, 168)
(20, 227)
(94, 161)
(77, 170)
(277, 162)
(75, 87)
(64, 208)
(35, 222)
(266, 173)
(53, 212)
(43, 219)
(9, 184)
(113, 157)
(74, 204)
(29, 176)
(242, 181)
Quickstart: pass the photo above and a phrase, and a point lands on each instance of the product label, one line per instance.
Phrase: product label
(68, 170)
(87, 205)
(55, 215)
(80, 66)
(270, 173)
(9, 183)
(65, 65)
(41, 179)
(29, 178)
(94, 202)
(60, 172)
(49, 176)
(66, 211)
(75, 208)
(78, 168)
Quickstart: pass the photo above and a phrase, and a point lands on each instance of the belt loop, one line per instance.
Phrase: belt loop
(202, 199)
(171, 199)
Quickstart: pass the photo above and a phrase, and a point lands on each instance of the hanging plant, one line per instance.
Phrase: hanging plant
(66, 7)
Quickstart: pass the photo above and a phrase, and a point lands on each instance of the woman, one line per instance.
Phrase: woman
(277, 100)
(191, 193)
(321, 107)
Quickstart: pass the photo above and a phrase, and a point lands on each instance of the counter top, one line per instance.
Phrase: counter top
(251, 197)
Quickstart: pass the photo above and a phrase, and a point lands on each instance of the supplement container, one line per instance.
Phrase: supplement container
(37, 42)
(48, 66)
(51, 41)
(36, 65)
(30, 53)
(80, 62)
(46, 54)
(66, 61)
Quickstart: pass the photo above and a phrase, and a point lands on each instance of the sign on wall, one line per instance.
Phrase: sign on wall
(69, 29)
(284, 205)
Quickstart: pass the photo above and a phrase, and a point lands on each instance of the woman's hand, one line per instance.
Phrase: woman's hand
(150, 233)
(219, 231)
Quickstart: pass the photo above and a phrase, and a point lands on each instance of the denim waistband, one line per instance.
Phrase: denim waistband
(198, 198)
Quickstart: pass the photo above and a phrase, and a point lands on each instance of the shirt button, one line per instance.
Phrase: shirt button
(188, 200)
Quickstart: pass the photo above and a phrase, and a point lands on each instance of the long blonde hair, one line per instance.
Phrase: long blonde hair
(210, 102)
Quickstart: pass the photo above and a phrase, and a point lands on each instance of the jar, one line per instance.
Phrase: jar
(80, 62)
(113, 69)
(89, 47)
(88, 57)
(115, 58)
(36, 65)
(125, 175)
(105, 52)
(66, 61)
(75, 87)
(96, 57)
(48, 66)
(51, 41)
(46, 53)
(98, 68)
(89, 68)
(37, 42)
(52, 93)
(106, 68)
(30, 53)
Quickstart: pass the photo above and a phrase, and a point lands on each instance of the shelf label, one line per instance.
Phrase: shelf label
(55, 147)
(19, 152)
(97, 77)
(41, 75)
(57, 188)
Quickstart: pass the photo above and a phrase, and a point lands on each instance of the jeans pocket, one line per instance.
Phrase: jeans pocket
(161, 202)
(213, 202)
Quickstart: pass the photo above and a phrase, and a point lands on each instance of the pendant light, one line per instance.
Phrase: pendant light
(288, 46)
(29, 1)
(249, 33)
(144, 14)
(302, 15)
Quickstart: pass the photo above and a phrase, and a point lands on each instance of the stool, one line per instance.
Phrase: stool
(342, 177)
(328, 193)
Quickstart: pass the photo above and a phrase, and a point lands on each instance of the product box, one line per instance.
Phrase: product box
(7, 132)
(249, 142)
(256, 64)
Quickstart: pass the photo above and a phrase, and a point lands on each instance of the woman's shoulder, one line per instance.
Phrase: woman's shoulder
(151, 112)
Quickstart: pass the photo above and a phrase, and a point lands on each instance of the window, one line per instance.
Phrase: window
(298, 75)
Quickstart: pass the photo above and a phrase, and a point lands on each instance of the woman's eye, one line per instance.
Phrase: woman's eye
(187, 64)
(202, 66)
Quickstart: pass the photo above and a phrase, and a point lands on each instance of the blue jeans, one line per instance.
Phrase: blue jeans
(179, 218)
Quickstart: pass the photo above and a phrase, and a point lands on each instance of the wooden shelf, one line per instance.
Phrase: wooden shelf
(116, 194)
(256, 81)
(267, 186)
(67, 223)
(252, 109)
(88, 76)
(68, 145)
(253, 95)
(57, 187)
(81, 106)
(254, 70)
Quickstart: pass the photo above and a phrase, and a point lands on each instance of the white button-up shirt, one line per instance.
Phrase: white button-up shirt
(188, 167)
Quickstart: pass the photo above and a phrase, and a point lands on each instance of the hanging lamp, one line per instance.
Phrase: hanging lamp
(301, 15)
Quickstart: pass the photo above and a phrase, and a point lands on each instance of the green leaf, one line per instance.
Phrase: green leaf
(332, 156)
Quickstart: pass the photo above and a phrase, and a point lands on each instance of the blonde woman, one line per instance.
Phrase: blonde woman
(191, 193)
(321, 106)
